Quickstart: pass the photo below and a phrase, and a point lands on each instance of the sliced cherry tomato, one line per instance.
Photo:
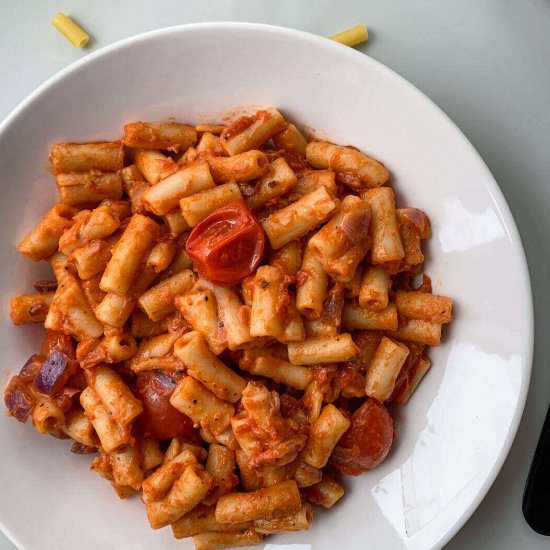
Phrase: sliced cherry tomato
(367, 441)
(159, 418)
(228, 245)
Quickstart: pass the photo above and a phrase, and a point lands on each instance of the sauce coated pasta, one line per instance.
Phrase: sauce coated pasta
(230, 312)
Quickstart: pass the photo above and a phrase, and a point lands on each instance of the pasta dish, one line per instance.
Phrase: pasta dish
(234, 315)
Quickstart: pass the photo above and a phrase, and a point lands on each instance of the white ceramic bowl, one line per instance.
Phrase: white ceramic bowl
(452, 437)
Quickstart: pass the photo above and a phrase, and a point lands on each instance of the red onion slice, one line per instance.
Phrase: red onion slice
(18, 399)
(54, 373)
(31, 368)
(417, 219)
(355, 225)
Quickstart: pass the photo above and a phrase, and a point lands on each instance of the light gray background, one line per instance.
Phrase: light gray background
(485, 62)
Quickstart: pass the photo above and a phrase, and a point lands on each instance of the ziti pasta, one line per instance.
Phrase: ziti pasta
(231, 308)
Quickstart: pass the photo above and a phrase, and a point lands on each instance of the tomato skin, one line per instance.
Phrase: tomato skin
(228, 245)
(367, 441)
(159, 419)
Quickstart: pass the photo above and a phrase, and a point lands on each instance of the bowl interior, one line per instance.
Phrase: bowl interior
(453, 435)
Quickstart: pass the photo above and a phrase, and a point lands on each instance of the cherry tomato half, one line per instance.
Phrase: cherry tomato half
(159, 418)
(228, 245)
(367, 441)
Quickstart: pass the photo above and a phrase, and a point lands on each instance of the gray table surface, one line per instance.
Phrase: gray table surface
(485, 62)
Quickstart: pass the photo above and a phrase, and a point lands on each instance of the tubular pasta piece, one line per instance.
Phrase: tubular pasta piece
(161, 255)
(89, 225)
(244, 167)
(47, 416)
(267, 503)
(387, 245)
(310, 180)
(210, 145)
(88, 187)
(160, 301)
(325, 433)
(157, 352)
(305, 474)
(424, 306)
(220, 464)
(298, 521)
(43, 240)
(326, 493)
(179, 444)
(30, 308)
(353, 36)
(298, 218)
(342, 243)
(278, 181)
(79, 427)
(166, 194)
(324, 349)
(202, 519)
(237, 332)
(115, 395)
(200, 205)
(215, 129)
(416, 330)
(114, 309)
(154, 165)
(126, 467)
(375, 285)
(111, 435)
(201, 312)
(270, 287)
(344, 159)
(205, 409)
(205, 367)
(70, 311)
(291, 139)
(186, 492)
(91, 259)
(157, 485)
(128, 253)
(356, 317)
(134, 185)
(289, 257)
(281, 371)
(384, 368)
(151, 454)
(251, 132)
(312, 286)
(82, 157)
(159, 135)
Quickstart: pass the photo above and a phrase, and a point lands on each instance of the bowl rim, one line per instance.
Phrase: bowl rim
(494, 189)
